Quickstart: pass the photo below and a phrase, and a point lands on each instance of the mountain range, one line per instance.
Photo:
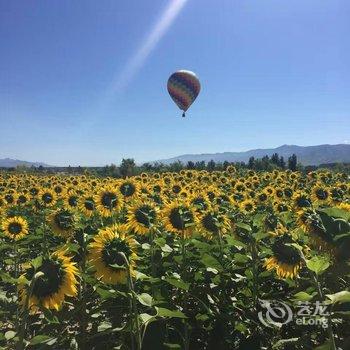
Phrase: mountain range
(307, 155)
(13, 163)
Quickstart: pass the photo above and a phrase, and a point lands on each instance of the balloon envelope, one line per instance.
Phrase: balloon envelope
(183, 88)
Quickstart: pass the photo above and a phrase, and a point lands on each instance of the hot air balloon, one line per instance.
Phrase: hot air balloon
(183, 87)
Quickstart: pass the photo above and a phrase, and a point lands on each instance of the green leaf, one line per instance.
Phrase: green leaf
(104, 326)
(283, 342)
(146, 318)
(5, 277)
(210, 261)
(241, 258)
(9, 335)
(302, 296)
(201, 245)
(241, 327)
(234, 242)
(106, 294)
(340, 297)
(166, 248)
(325, 346)
(41, 339)
(172, 346)
(337, 213)
(145, 299)
(162, 312)
(211, 269)
(177, 283)
(318, 264)
(243, 226)
(261, 235)
(36, 263)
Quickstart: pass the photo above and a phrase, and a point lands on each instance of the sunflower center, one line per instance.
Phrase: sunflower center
(47, 198)
(321, 194)
(64, 220)
(111, 253)
(51, 281)
(262, 197)
(176, 189)
(9, 198)
(180, 217)
(199, 202)
(22, 199)
(248, 206)
(210, 223)
(286, 254)
(58, 189)
(109, 200)
(15, 228)
(302, 202)
(34, 191)
(89, 204)
(127, 189)
(73, 201)
(145, 215)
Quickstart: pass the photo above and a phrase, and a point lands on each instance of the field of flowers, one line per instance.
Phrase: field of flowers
(182, 260)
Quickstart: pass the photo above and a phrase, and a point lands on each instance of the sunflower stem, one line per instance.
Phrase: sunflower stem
(134, 311)
(255, 274)
(22, 331)
(82, 297)
(45, 245)
(329, 317)
(15, 253)
(184, 269)
(153, 266)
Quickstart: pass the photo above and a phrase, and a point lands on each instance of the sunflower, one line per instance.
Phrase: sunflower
(47, 197)
(10, 198)
(141, 217)
(320, 194)
(311, 223)
(179, 217)
(87, 205)
(71, 200)
(286, 260)
(62, 222)
(344, 206)
(199, 201)
(280, 207)
(279, 193)
(59, 280)
(301, 200)
(247, 206)
(15, 227)
(176, 188)
(269, 190)
(231, 169)
(105, 254)
(107, 201)
(128, 188)
(22, 199)
(262, 197)
(213, 223)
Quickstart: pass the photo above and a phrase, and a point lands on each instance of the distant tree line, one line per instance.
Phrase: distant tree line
(128, 167)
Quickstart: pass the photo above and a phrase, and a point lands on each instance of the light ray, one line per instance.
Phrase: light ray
(152, 39)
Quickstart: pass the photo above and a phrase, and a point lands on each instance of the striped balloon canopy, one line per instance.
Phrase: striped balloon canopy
(183, 88)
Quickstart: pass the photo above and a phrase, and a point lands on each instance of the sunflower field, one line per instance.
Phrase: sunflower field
(184, 260)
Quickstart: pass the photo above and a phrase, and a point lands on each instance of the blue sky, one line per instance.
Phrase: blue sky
(272, 72)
